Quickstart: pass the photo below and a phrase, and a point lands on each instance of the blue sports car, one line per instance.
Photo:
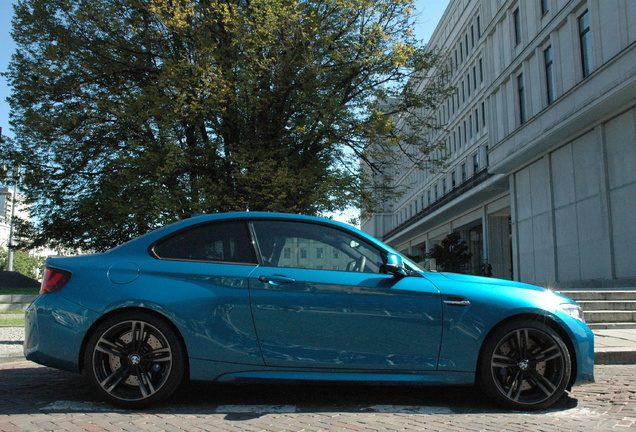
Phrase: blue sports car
(263, 296)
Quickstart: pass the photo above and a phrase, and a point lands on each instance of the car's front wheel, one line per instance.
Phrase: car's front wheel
(524, 365)
(134, 359)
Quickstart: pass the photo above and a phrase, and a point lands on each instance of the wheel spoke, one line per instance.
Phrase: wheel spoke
(139, 336)
(502, 361)
(543, 383)
(547, 354)
(145, 383)
(158, 355)
(115, 378)
(523, 341)
(516, 386)
(110, 348)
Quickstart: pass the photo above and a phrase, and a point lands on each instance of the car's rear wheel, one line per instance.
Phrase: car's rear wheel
(134, 359)
(524, 365)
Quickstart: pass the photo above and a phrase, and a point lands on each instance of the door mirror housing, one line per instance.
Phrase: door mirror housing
(395, 265)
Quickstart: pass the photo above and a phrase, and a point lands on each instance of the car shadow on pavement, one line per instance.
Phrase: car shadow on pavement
(28, 389)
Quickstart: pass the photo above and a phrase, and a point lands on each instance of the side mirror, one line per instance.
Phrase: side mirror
(395, 266)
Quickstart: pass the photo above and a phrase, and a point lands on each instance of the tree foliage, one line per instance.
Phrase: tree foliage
(22, 263)
(130, 114)
(452, 254)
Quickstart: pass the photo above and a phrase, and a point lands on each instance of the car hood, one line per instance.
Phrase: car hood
(442, 280)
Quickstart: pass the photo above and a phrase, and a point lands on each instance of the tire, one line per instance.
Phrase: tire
(134, 359)
(524, 365)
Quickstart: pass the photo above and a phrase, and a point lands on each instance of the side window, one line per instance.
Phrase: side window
(314, 246)
(217, 242)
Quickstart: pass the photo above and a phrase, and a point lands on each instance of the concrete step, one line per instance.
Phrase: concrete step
(608, 305)
(15, 302)
(611, 326)
(613, 308)
(610, 316)
(615, 295)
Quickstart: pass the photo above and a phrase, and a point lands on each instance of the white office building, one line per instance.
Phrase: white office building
(541, 144)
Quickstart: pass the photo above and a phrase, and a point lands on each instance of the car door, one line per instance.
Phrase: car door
(201, 273)
(319, 299)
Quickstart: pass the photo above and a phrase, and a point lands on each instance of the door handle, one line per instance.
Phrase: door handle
(276, 280)
(455, 301)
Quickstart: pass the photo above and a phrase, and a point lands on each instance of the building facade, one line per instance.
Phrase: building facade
(540, 141)
(6, 202)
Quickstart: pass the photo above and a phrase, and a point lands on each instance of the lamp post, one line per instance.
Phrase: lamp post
(16, 180)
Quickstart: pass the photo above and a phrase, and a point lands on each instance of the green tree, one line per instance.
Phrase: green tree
(130, 114)
(22, 263)
(452, 254)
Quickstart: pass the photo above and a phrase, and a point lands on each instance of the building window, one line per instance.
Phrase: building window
(475, 163)
(453, 179)
(303, 253)
(472, 36)
(476, 121)
(521, 94)
(444, 186)
(483, 114)
(463, 172)
(586, 43)
(475, 77)
(436, 193)
(516, 20)
(549, 73)
(481, 70)
(478, 27)
(545, 6)
(320, 253)
(428, 195)
(468, 84)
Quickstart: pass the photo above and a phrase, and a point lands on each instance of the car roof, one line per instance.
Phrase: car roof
(145, 240)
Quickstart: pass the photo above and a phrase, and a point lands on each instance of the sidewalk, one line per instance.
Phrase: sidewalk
(612, 347)
(615, 346)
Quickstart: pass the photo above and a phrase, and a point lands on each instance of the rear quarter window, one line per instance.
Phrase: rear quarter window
(216, 242)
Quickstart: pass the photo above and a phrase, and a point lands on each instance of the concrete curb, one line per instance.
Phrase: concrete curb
(615, 357)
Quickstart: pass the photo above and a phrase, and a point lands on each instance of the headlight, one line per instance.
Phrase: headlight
(573, 310)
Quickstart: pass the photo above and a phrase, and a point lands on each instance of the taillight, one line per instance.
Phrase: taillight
(54, 280)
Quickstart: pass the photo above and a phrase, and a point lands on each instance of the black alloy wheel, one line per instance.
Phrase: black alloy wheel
(525, 365)
(134, 359)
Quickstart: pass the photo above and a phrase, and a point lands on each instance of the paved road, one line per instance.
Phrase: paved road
(33, 398)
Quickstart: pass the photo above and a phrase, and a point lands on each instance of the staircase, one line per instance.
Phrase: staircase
(606, 309)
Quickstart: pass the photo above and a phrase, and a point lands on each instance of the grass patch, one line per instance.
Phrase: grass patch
(14, 312)
(16, 291)
(12, 322)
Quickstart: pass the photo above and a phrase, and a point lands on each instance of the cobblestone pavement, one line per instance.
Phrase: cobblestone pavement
(36, 398)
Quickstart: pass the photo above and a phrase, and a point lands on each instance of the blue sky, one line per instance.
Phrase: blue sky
(430, 12)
